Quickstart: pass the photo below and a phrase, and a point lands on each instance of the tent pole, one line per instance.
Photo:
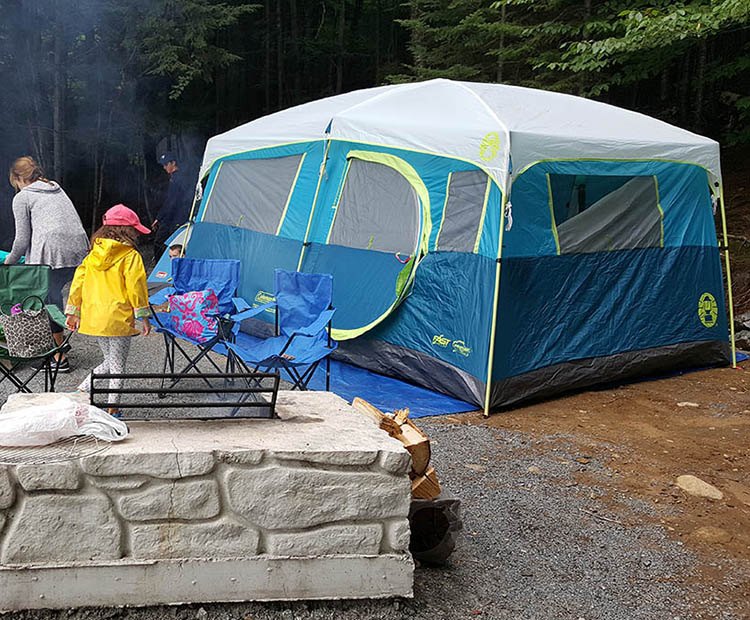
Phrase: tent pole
(315, 202)
(488, 387)
(498, 263)
(728, 272)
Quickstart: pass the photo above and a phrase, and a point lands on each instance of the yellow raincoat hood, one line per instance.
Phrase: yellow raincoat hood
(107, 252)
(109, 290)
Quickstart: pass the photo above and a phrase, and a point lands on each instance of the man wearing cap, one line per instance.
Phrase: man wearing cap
(176, 208)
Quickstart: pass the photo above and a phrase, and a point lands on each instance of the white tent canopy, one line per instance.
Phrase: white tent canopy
(491, 125)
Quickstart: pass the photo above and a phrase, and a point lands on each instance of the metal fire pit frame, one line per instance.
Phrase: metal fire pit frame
(248, 389)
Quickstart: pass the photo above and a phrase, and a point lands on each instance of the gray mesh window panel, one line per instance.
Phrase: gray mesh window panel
(378, 210)
(625, 219)
(463, 211)
(252, 193)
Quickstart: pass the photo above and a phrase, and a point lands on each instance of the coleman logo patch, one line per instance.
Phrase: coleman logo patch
(708, 310)
(489, 147)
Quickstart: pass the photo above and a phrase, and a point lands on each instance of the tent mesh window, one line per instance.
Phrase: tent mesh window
(378, 210)
(253, 193)
(605, 213)
(462, 214)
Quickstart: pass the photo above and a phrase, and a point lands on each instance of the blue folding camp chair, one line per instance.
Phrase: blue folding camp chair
(303, 329)
(222, 276)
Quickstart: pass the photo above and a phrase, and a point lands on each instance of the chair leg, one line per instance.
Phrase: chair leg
(308, 375)
(9, 373)
(168, 355)
(53, 373)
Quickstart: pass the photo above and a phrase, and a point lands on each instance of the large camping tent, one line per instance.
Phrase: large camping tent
(487, 241)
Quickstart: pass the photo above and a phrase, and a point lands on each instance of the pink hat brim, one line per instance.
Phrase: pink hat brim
(142, 229)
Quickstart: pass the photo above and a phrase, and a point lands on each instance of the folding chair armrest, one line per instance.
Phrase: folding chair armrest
(251, 312)
(316, 326)
(160, 296)
(240, 304)
(55, 314)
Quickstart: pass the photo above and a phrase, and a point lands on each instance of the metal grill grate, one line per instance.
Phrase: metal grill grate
(68, 449)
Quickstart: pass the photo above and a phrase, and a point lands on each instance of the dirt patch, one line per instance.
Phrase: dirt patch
(646, 435)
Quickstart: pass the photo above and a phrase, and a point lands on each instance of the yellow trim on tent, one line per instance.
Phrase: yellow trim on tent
(614, 161)
(552, 213)
(211, 191)
(477, 165)
(337, 200)
(484, 213)
(348, 334)
(493, 326)
(291, 191)
(260, 148)
(433, 153)
(661, 211)
(411, 175)
(445, 206)
(554, 221)
(321, 173)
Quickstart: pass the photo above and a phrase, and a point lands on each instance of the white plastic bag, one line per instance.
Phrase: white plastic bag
(101, 425)
(43, 424)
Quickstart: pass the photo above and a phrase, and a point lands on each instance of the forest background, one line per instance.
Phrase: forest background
(95, 89)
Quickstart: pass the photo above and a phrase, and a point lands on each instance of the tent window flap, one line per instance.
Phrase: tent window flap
(378, 210)
(605, 213)
(253, 193)
(462, 216)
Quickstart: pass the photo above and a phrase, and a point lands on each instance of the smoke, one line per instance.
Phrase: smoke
(76, 98)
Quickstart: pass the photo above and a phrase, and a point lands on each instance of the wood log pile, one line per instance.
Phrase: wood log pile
(424, 480)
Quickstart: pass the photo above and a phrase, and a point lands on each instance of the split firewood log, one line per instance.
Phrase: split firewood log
(415, 441)
(427, 486)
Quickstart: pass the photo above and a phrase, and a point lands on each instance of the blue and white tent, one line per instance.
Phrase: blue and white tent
(491, 242)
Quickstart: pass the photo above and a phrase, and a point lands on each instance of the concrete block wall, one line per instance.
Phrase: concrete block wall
(251, 497)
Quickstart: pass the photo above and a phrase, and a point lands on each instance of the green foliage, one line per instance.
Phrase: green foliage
(175, 38)
(684, 61)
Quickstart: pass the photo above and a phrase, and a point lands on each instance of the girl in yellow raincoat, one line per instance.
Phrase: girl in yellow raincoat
(109, 293)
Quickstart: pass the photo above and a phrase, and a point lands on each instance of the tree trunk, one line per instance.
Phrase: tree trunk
(219, 86)
(58, 94)
(501, 47)
(684, 87)
(279, 57)
(267, 58)
(33, 87)
(378, 19)
(340, 40)
(700, 82)
(296, 68)
(664, 85)
(417, 43)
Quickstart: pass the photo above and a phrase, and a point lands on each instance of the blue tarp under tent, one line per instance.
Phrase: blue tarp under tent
(489, 242)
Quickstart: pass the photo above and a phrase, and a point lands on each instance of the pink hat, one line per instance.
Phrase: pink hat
(120, 215)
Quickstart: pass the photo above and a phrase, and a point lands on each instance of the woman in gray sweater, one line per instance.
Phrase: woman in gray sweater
(48, 232)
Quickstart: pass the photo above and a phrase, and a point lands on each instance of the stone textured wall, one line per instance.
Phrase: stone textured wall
(110, 506)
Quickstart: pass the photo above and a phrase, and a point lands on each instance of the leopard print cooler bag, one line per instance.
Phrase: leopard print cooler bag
(27, 328)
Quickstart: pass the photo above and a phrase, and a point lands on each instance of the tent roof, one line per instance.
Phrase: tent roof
(464, 120)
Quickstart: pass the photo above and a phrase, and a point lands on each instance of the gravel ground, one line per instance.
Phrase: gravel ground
(536, 545)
